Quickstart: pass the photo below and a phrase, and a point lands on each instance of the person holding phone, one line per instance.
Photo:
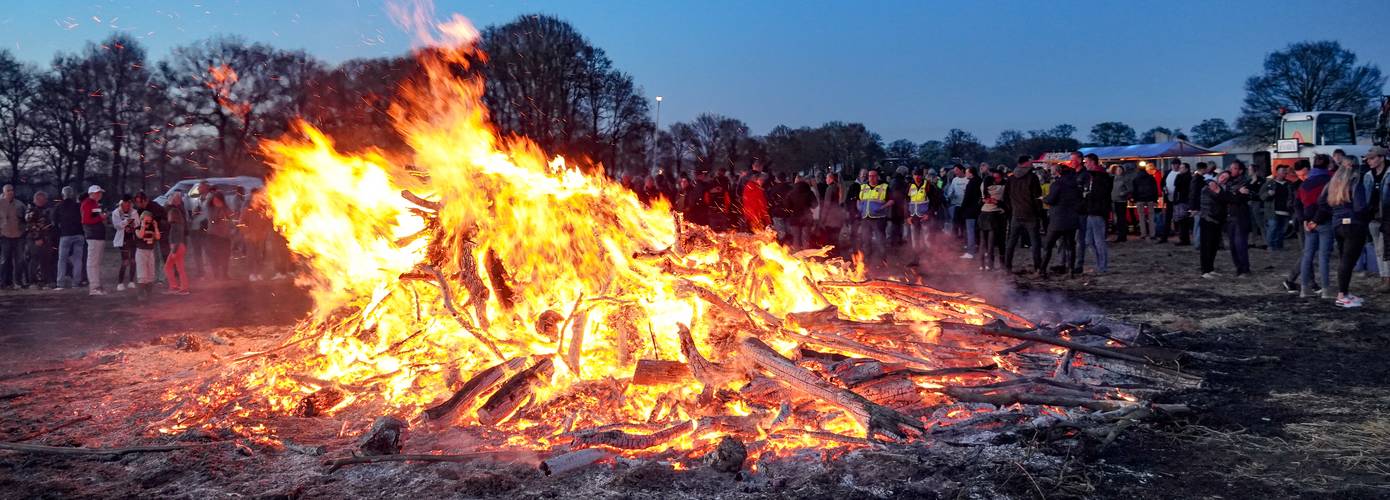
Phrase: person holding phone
(94, 230)
(147, 235)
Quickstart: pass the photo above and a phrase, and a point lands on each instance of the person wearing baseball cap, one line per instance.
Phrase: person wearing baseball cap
(1373, 182)
(94, 229)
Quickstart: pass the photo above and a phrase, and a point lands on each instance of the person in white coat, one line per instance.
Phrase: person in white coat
(124, 219)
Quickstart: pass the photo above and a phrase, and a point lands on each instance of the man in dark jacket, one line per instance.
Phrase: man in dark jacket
(1096, 187)
(897, 219)
(1145, 193)
(1063, 219)
(1236, 196)
(1275, 193)
(969, 210)
(1194, 195)
(1023, 201)
(67, 217)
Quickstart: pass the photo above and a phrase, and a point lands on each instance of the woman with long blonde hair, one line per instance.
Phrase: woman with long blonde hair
(1348, 203)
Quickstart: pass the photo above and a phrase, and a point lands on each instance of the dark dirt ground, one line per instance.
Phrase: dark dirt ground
(1315, 424)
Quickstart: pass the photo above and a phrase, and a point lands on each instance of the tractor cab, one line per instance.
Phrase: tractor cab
(1307, 134)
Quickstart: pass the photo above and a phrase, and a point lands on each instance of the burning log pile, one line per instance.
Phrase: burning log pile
(472, 286)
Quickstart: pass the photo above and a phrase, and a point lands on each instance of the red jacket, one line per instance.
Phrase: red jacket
(755, 206)
(91, 212)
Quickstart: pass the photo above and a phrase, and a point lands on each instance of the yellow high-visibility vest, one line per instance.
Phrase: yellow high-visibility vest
(872, 199)
(917, 199)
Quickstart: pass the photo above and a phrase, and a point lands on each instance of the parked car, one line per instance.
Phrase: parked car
(194, 201)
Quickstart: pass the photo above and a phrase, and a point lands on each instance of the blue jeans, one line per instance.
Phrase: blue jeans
(1317, 241)
(1274, 231)
(1093, 237)
(70, 253)
(970, 235)
(1238, 235)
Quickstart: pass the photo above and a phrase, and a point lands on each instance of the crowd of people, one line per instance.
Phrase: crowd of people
(1069, 209)
(1332, 205)
(62, 244)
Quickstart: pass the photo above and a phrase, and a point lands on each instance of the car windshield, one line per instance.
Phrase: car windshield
(1336, 130)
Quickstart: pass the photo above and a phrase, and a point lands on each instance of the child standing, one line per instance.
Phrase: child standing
(146, 236)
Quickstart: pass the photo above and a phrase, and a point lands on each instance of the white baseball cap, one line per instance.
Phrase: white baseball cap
(95, 189)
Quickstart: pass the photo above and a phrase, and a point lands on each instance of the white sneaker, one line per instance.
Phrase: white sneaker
(253, 277)
(967, 255)
(96, 292)
(130, 285)
(1211, 275)
(120, 287)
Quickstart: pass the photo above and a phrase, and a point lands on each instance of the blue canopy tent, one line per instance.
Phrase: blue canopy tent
(1170, 149)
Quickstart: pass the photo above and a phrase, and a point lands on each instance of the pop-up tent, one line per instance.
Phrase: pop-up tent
(1170, 149)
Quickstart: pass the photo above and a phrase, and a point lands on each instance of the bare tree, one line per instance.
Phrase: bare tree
(17, 88)
(67, 108)
(239, 93)
(546, 82)
(122, 82)
(1309, 76)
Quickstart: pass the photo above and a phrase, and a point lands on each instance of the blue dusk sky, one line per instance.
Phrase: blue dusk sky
(905, 69)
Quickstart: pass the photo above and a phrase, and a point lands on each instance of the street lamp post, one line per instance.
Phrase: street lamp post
(655, 128)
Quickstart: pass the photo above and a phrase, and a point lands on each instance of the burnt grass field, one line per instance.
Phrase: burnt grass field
(1314, 424)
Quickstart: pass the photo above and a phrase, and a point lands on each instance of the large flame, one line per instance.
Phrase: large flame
(473, 249)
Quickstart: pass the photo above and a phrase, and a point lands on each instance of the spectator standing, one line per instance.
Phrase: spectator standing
(144, 203)
(146, 234)
(255, 230)
(755, 206)
(1179, 200)
(1120, 191)
(219, 236)
(124, 219)
(1211, 216)
(1145, 193)
(897, 217)
(1023, 201)
(1236, 193)
(969, 211)
(1317, 229)
(718, 204)
(1373, 183)
(1276, 193)
(1345, 202)
(955, 196)
(853, 208)
(174, 271)
(42, 239)
(831, 215)
(1063, 219)
(918, 211)
(94, 230)
(11, 238)
(1096, 188)
(801, 206)
(1299, 174)
(992, 222)
(874, 197)
(67, 218)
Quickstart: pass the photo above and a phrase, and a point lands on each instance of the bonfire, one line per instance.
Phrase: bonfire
(478, 285)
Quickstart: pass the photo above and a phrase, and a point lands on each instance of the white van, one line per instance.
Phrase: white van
(193, 202)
